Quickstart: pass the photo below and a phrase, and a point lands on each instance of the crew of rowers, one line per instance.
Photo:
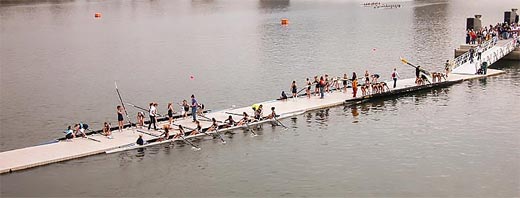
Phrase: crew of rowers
(380, 5)
(215, 126)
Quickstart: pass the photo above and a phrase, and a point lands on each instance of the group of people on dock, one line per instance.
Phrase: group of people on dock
(326, 84)
(498, 32)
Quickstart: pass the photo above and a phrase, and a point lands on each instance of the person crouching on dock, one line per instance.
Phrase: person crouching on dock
(80, 128)
(106, 130)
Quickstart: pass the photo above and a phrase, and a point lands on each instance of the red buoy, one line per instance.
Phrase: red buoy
(97, 15)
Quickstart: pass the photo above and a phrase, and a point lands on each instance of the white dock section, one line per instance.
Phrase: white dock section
(80, 147)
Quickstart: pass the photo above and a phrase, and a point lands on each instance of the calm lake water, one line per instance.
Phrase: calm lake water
(59, 64)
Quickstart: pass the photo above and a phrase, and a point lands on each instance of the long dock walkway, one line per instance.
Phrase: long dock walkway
(24, 158)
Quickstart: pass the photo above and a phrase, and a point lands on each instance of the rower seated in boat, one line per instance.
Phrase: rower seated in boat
(272, 114)
(69, 133)
(197, 129)
(140, 140)
(167, 128)
(244, 120)
(229, 122)
(283, 97)
(181, 132)
(214, 125)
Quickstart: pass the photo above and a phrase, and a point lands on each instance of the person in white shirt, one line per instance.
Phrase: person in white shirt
(153, 113)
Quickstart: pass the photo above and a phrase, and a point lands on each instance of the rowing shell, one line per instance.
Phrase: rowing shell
(133, 146)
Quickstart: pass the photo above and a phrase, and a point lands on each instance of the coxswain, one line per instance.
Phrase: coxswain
(80, 128)
(140, 140)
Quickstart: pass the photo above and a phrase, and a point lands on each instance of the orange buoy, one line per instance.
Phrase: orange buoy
(97, 15)
(285, 21)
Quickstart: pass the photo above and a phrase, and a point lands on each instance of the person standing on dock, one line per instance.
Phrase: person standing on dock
(185, 109)
(317, 88)
(479, 52)
(417, 74)
(120, 118)
(395, 75)
(153, 113)
(294, 89)
(345, 82)
(322, 87)
(354, 84)
(447, 67)
(367, 77)
(194, 106)
(170, 113)
(308, 89)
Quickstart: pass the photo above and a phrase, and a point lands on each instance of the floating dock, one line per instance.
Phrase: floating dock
(58, 151)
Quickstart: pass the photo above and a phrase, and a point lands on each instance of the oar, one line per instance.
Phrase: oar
(231, 113)
(123, 104)
(410, 64)
(193, 145)
(249, 128)
(280, 122)
(220, 136)
(138, 107)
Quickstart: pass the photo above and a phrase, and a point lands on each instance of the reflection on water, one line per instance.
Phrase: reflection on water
(274, 5)
(431, 32)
